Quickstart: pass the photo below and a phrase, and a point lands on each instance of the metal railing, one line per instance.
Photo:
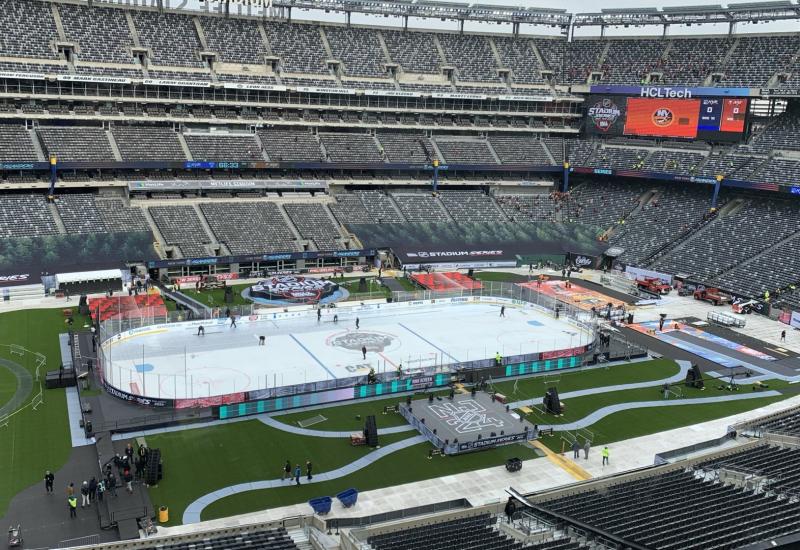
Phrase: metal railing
(119, 373)
(339, 523)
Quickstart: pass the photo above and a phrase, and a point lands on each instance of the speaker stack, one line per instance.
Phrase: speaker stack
(552, 404)
(154, 470)
(371, 431)
(694, 378)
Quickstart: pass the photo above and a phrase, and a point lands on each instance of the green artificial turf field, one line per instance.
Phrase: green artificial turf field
(205, 459)
(567, 381)
(216, 297)
(579, 407)
(33, 441)
(345, 416)
(250, 451)
(405, 466)
(8, 386)
(636, 423)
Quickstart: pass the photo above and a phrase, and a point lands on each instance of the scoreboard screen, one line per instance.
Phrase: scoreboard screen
(703, 118)
(721, 115)
(662, 117)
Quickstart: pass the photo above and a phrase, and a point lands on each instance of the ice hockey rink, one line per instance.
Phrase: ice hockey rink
(174, 362)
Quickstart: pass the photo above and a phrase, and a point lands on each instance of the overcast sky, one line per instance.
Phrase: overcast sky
(573, 6)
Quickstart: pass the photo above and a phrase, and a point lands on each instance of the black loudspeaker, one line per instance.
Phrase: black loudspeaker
(154, 470)
(694, 378)
(371, 431)
(552, 404)
(83, 305)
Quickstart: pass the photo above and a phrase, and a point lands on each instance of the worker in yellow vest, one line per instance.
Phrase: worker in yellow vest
(604, 452)
(72, 502)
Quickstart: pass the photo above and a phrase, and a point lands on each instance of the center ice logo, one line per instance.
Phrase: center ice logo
(465, 416)
(354, 341)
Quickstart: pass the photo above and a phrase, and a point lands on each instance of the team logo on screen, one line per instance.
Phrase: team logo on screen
(663, 117)
(604, 114)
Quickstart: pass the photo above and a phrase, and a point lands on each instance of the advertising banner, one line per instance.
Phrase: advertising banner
(180, 185)
(27, 260)
(795, 320)
(641, 273)
(669, 92)
(584, 261)
(271, 257)
(477, 243)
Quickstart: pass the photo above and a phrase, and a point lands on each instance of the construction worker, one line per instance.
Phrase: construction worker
(604, 453)
(498, 359)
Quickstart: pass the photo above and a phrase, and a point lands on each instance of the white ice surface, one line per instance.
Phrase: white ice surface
(227, 360)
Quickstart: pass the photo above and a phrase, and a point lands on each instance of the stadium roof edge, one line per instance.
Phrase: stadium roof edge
(771, 10)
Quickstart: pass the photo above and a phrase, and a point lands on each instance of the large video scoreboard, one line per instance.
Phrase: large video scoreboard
(702, 118)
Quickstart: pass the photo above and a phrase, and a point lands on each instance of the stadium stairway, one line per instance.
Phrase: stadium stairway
(493, 152)
(186, 151)
(37, 145)
(435, 146)
(300, 539)
(62, 229)
(724, 61)
(156, 233)
(113, 143)
(762, 254)
(215, 244)
(288, 221)
(677, 245)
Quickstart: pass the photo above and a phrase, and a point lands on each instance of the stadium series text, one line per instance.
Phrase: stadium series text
(675, 93)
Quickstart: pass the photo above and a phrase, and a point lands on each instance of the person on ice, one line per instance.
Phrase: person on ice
(502, 311)
(201, 331)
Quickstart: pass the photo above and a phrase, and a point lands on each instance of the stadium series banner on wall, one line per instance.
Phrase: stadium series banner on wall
(25, 260)
(478, 242)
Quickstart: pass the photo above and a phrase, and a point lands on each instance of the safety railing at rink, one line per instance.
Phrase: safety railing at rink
(181, 390)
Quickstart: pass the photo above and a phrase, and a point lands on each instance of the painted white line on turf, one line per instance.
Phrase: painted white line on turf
(195, 509)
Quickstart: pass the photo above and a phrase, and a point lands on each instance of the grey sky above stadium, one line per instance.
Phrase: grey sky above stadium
(573, 6)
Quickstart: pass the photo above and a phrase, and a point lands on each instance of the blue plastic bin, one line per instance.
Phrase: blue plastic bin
(321, 505)
(348, 497)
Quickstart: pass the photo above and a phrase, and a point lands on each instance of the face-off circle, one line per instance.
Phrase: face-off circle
(293, 289)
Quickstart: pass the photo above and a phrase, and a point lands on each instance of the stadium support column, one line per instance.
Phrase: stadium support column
(716, 191)
(435, 175)
(52, 191)
(565, 184)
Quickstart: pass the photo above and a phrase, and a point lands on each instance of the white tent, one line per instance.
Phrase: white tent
(88, 276)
